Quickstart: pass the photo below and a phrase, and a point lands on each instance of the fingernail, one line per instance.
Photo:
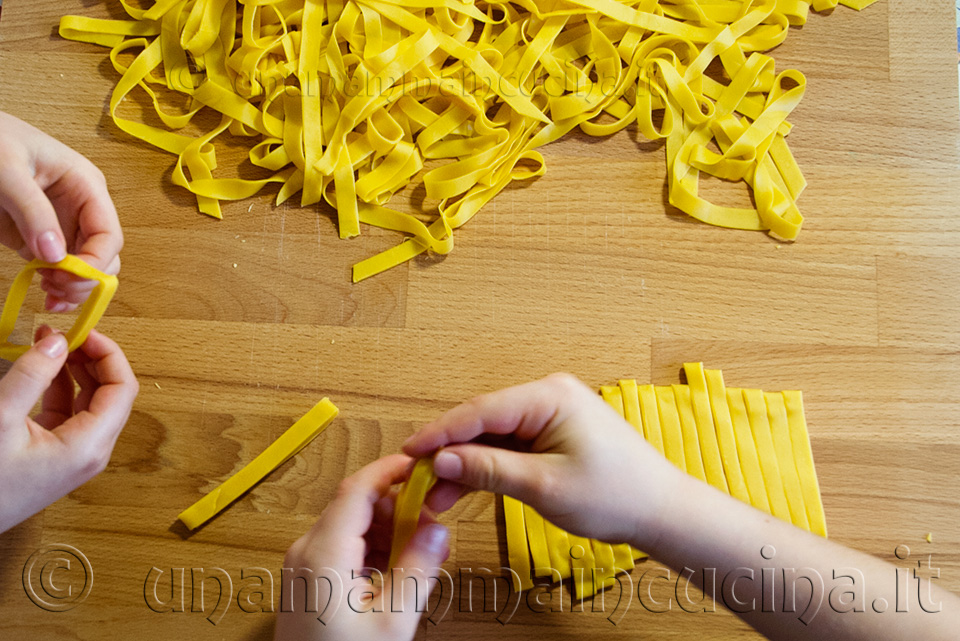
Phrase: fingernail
(51, 247)
(60, 306)
(433, 538)
(53, 346)
(448, 465)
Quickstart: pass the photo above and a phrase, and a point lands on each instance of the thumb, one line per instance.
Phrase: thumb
(482, 467)
(420, 560)
(32, 374)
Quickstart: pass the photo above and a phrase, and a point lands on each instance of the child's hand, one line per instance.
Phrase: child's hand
(70, 440)
(580, 465)
(54, 201)
(353, 533)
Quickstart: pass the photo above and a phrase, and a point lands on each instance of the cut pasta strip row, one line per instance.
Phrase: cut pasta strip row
(758, 444)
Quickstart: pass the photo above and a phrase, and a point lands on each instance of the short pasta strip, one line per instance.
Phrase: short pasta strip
(713, 463)
(409, 504)
(279, 452)
(780, 430)
(762, 437)
(793, 401)
(732, 466)
(517, 551)
(537, 540)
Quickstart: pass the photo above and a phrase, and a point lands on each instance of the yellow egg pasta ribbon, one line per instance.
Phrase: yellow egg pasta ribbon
(350, 102)
(90, 312)
(298, 436)
(409, 503)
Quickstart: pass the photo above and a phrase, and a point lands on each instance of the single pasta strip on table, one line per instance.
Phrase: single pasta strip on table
(298, 436)
(537, 539)
(763, 438)
(780, 429)
(793, 401)
(716, 392)
(747, 450)
(709, 445)
(670, 427)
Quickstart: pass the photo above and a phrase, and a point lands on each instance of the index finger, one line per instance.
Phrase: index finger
(523, 411)
(351, 512)
(82, 192)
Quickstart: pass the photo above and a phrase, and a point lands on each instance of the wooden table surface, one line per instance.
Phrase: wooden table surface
(237, 327)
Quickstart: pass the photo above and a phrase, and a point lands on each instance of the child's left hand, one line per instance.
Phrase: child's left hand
(353, 534)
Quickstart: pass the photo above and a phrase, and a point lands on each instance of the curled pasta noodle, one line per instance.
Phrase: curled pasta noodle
(349, 102)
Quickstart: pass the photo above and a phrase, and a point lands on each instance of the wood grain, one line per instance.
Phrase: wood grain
(584, 270)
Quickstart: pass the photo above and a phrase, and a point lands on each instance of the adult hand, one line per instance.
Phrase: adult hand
(70, 440)
(351, 541)
(54, 201)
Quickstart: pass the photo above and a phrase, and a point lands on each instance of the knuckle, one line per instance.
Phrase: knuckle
(97, 175)
(477, 404)
(346, 487)
(32, 371)
(294, 554)
(93, 459)
(549, 485)
(87, 171)
(485, 473)
(564, 381)
(9, 417)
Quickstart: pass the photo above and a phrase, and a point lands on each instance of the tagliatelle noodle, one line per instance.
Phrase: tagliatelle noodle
(713, 463)
(517, 551)
(90, 314)
(772, 477)
(537, 540)
(733, 468)
(809, 484)
(297, 437)
(409, 504)
(670, 426)
(780, 431)
(747, 451)
(348, 102)
(688, 431)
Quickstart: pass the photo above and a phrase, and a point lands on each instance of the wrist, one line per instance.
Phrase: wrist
(670, 493)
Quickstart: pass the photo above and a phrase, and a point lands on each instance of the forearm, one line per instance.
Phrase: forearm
(754, 563)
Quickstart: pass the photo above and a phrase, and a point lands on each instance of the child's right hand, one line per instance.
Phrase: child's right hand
(70, 440)
(579, 464)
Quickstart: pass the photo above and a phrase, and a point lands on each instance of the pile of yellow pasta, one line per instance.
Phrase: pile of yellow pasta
(346, 101)
(748, 443)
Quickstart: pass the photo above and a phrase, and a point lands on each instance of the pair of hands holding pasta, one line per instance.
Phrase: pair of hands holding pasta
(555, 445)
(54, 201)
